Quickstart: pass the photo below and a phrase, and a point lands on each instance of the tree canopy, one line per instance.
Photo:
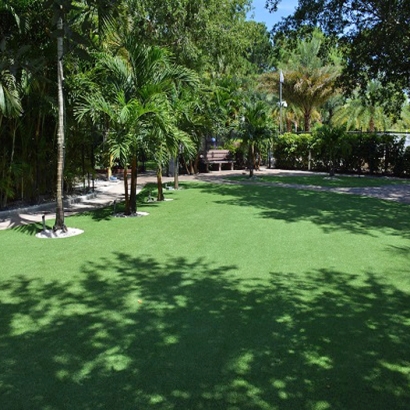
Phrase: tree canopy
(309, 76)
(374, 35)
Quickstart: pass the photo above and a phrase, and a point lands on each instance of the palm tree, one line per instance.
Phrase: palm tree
(256, 129)
(125, 118)
(166, 140)
(362, 111)
(59, 222)
(149, 74)
(309, 81)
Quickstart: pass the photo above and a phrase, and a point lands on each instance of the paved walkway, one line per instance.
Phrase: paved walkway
(107, 192)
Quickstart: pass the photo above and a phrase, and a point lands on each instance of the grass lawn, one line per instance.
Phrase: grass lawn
(228, 297)
(324, 180)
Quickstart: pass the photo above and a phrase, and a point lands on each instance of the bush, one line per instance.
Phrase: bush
(331, 146)
(291, 151)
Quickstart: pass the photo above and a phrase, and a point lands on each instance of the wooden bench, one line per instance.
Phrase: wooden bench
(218, 157)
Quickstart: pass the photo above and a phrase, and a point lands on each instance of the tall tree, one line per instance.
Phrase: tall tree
(59, 222)
(375, 35)
(205, 35)
(309, 79)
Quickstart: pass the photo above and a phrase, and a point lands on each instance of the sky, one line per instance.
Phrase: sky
(285, 8)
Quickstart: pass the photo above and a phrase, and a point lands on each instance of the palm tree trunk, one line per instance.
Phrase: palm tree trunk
(251, 159)
(127, 209)
(371, 124)
(258, 161)
(289, 124)
(176, 173)
(59, 222)
(160, 195)
(307, 116)
(109, 169)
(133, 189)
(195, 168)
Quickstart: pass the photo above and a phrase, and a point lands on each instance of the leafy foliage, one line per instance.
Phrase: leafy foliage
(333, 149)
(309, 80)
(374, 35)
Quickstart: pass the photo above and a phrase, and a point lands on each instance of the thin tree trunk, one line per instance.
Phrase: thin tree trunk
(127, 209)
(258, 162)
(9, 173)
(176, 173)
(133, 189)
(251, 160)
(59, 222)
(109, 169)
(160, 195)
(187, 166)
(3, 189)
(196, 164)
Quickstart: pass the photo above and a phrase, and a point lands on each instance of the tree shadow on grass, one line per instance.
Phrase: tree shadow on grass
(32, 228)
(332, 211)
(109, 212)
(134, 333)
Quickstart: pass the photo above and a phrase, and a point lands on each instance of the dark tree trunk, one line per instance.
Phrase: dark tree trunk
(307, 121)
(160, 195)
(127, 209)
(251, 160)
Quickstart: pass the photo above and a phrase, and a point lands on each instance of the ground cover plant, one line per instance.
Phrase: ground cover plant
(326, 181)
(227, 297)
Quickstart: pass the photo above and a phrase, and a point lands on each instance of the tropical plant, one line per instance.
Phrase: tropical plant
(362, 111)
(309, 79)
(147, 75)
(125, 117)
(255, 130)
(332, 144)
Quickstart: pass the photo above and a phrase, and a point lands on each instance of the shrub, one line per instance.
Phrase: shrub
(291, 151)
(332, 145)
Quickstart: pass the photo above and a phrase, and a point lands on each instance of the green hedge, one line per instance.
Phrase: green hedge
(292, 150)
(348, 152)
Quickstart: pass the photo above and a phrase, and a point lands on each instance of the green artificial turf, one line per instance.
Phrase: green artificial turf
(326, 181)
(227, 297)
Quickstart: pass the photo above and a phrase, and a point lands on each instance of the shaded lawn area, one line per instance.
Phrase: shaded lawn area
(228, 297)
(338, 181)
